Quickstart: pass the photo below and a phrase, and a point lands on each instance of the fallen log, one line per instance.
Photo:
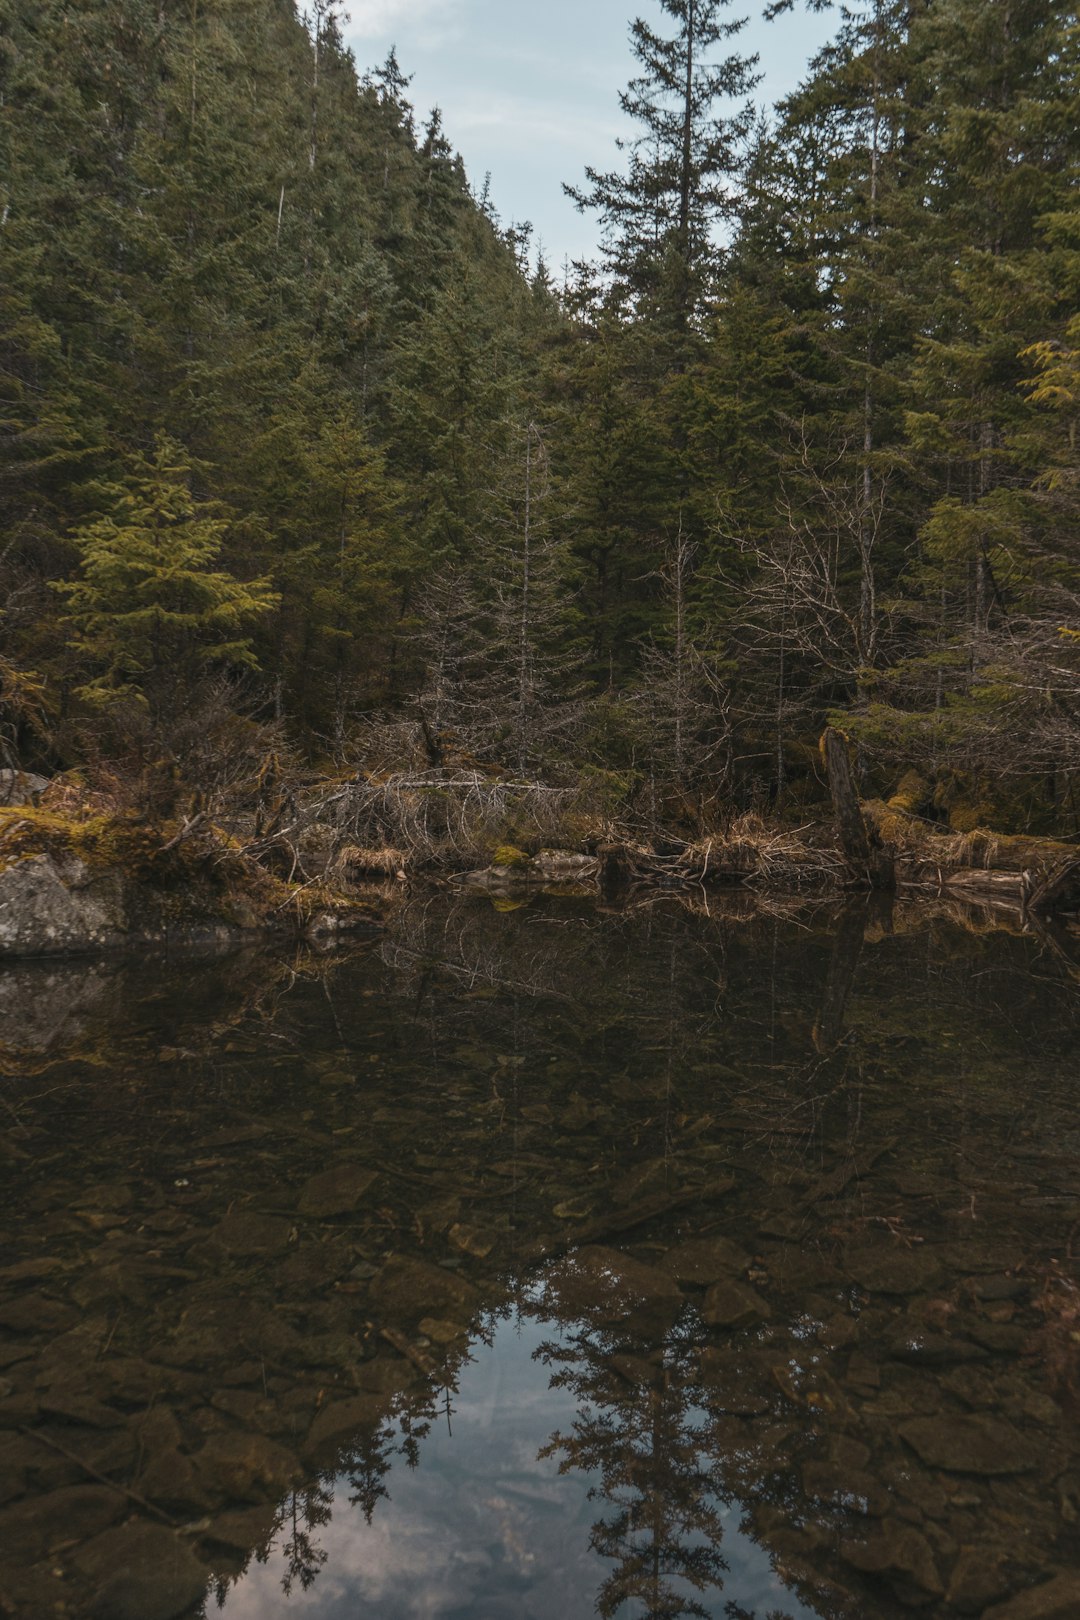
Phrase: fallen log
(1059, 888)
(987, 887)
(1038, 875)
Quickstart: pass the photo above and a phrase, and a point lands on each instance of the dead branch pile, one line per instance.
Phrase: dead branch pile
(749, 852)
(440, 818)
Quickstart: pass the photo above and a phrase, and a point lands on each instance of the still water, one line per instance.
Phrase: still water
(542, 1261)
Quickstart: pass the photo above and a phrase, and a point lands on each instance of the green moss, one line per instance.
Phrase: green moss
(509, 856)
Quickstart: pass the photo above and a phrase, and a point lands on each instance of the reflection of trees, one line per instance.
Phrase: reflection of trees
(645, 1440)
(304, 1512)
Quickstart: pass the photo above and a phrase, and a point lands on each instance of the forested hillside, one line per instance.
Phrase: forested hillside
(303, 459)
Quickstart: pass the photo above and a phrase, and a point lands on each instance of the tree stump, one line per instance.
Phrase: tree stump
(869, 863)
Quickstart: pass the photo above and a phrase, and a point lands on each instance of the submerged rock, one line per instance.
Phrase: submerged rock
(42, 1522)
(248, 1232)
(143, 1572)
(337, 1423)
(245, 1466)
(895, 1270)
(734, 1305)
(337, 1191)
(977, 1580)
(895, 1548)
(1058, 1599)
(407, 1289)
(705, 1260)
(600, 1284)
(970, 1445)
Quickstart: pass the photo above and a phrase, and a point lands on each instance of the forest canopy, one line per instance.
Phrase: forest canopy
(303, 452)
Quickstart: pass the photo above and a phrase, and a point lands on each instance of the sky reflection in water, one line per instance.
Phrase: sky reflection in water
(483, 1528)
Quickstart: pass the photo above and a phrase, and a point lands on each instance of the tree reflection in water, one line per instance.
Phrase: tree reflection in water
(639, 1433)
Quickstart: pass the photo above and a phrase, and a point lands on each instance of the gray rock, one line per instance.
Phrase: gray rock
(21, 787)
(563, 866)
(46, 909)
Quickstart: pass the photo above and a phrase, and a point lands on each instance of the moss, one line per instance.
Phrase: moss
(912, 794)
(509, 856)
(967, 818)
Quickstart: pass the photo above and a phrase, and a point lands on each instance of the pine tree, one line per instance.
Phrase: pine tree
(150, 613)
(659, 218)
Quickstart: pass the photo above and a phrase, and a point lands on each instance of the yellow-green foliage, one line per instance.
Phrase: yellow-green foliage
(968, 816)
(508, 855)
(911, 794)
(97, 840)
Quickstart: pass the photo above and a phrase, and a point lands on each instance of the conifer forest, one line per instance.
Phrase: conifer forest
(310, 466)
(539, 815)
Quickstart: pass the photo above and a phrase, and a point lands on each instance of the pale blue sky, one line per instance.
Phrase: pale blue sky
(529, 88)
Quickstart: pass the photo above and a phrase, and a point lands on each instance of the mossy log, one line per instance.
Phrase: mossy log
(1039, 874)
(913, 793)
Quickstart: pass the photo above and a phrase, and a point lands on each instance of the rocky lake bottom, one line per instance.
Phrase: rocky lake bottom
(540, 1259)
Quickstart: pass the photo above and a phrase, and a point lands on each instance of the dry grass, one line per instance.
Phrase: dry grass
(754, 853)
(355, 860)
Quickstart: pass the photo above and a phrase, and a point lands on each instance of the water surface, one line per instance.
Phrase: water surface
(546, 1261)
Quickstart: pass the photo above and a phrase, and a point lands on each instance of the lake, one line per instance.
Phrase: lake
(694, 1257)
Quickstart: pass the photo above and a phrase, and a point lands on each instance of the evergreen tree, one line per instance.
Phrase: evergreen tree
(659, 218)
(150, 613)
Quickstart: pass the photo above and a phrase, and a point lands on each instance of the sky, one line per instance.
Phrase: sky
(529, 88)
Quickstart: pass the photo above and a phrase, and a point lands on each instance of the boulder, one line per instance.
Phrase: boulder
(47, 908)
(21, 787)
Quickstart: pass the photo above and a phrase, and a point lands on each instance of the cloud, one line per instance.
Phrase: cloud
(370, 19)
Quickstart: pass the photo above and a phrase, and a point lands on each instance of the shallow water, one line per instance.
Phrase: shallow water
(546, 1262)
